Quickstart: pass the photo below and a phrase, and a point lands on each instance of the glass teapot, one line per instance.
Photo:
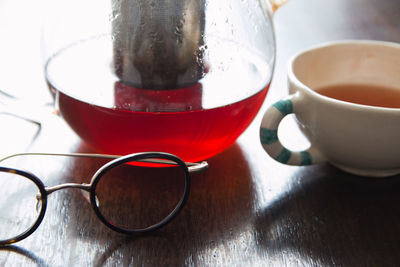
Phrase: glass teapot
(180, 76)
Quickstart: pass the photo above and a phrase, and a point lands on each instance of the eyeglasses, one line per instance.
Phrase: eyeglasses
(119, 193)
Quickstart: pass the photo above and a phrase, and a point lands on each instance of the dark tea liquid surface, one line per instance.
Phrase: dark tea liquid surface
(193, 123)
(370, 95)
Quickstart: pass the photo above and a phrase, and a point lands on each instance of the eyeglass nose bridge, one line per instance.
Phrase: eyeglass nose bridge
(84, 186)
(85, 190)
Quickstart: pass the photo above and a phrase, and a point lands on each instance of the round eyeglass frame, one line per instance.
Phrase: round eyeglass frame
(43, 199)
(136, 157)
(91, 189)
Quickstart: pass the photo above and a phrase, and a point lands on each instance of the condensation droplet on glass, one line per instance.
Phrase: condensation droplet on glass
(142, 24)
(113, 16)
(178, 30)
(256, 28)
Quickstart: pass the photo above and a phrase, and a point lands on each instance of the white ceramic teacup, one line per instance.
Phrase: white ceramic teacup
(360, 139)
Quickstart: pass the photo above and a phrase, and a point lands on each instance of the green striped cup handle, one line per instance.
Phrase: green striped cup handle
(270, 140)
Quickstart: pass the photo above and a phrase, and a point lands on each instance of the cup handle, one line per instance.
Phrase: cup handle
(270, 140)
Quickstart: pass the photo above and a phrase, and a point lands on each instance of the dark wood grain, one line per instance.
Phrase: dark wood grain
(247, 209)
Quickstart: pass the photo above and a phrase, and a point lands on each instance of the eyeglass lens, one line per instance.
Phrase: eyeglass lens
(19, 207)
(138, 195)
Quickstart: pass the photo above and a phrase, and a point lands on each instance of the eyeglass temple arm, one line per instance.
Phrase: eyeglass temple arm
(192, 167)
(12, 106)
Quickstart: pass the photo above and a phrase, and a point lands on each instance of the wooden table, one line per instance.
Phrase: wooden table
(247, 209)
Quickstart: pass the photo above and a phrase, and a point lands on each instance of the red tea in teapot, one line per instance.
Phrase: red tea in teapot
(193, 123)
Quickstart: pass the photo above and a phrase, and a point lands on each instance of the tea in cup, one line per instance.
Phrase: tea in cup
(345, 96)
